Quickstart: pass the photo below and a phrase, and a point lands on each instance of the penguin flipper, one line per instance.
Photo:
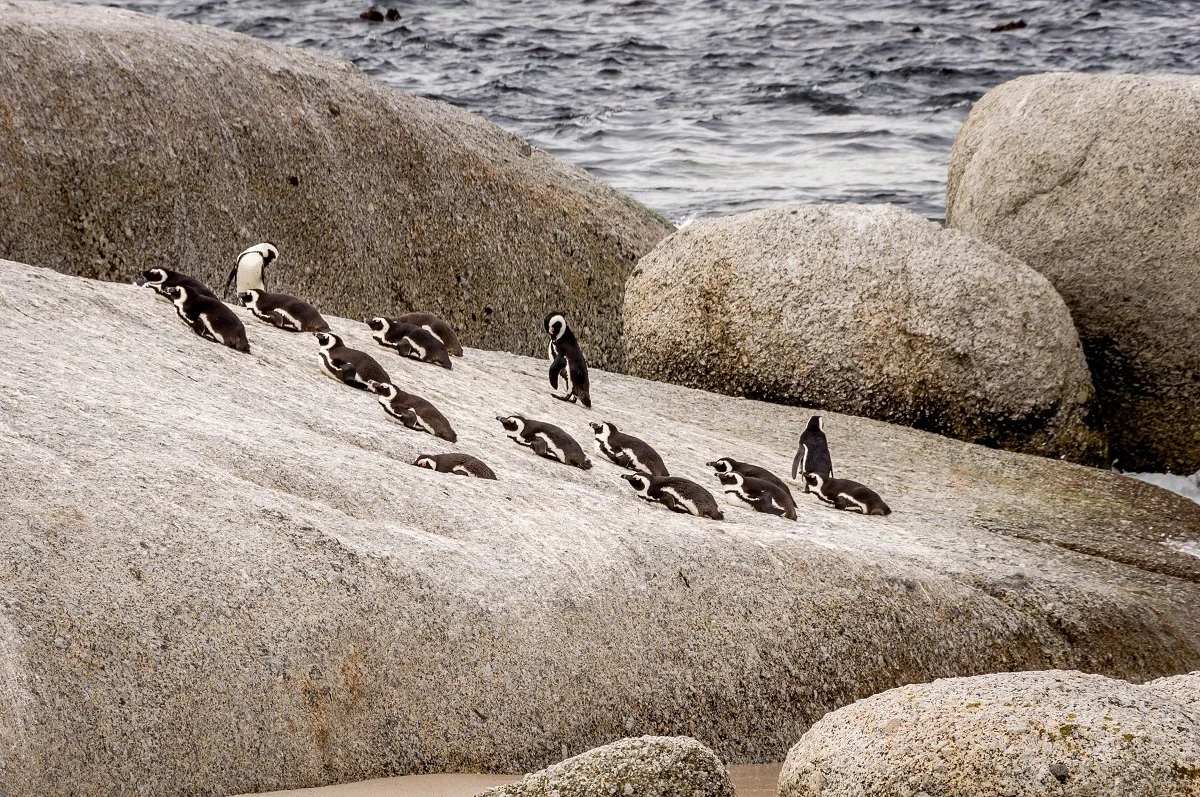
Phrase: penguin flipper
(282, 321)
(541, 449)
(556, 367)
(798, 460)
(229, 279)
(348, 374)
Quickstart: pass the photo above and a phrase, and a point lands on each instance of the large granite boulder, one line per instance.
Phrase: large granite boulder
(1014, 734)
(1092, 180)
(1184, 689)
(128, 141)
(219, 574)
(869, 310)
(650, 766)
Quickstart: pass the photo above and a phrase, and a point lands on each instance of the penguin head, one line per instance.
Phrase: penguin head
(176, 293)
(381, 388)
(815, 424)
(511, 423)
(265, 252)
(556, 325)
(250, 298)
(327, 340)
(732, 478)
(152, 277)
(426, 461)
(377, 323)
(603, 429)
(639, 481)
(813, 480)
(722, 465)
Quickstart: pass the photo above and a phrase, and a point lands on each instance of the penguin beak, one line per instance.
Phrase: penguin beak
(710, 464)
(595, 427)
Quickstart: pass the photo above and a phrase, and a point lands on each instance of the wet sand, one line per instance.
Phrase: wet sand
(755, 780)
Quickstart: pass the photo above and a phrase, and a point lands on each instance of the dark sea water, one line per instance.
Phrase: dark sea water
(707, 107)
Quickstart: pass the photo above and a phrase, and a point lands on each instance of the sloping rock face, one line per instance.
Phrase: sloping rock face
(650, 766)
(1016, 734)
(1091, 180)
(128, 141)
(869, 310)
(219, 574)
(1184, 689)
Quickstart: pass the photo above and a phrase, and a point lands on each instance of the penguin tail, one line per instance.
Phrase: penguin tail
(882, 509)
(449, 436)
(587, 464)
(585, 400)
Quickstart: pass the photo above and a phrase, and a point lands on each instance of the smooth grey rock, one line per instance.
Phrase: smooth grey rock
(1021, 734)
(1091, 180)
(650, 766)
(870, 310)
(129, 141)
(255, 590)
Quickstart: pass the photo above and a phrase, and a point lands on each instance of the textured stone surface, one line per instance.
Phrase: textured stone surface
(219, 574)
(1091, 180)
(869, 310)
(1183, 689)
(650, 766)
(129, 141)
(1014, 734)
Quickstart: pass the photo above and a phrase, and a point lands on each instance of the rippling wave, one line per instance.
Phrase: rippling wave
(706, 107)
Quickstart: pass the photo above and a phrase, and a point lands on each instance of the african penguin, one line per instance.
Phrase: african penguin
(848, 495)
(566, 360)
(208, 317)
(440, 329)
(251, 268)
(676, 494)
(159, 279)
(355, 368)
(627, 450)
(409, 340)
(812, 456)
(283, 311)
(731, 465)
(758, 494)
(460, 464)
(546, 440)
(412, 411)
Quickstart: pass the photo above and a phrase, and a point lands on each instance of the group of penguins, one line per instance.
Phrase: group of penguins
(428, 338)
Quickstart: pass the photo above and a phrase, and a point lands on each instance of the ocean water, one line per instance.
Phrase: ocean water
(708, 107)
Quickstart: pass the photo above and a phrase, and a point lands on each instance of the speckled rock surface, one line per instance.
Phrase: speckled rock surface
(1183, 689)
(1091, 180)
(650, 766)
(866, 309)
(1014, 734)
(219, 574)
(129, 141)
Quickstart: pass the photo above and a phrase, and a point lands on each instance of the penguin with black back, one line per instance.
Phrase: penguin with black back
(627, 451)
(409, 340)
(731, 465)
(675, 493)
(351, 366)
(412, 410)
(757, 494)
(812, 455)
(159, 279)
(283, 311)
(546, 440)
(567, 362)
(440, 329)
(458, 464)
(209, 317)
(847, 495)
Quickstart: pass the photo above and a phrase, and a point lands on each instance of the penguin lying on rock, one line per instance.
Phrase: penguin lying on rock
(546, 440)
(731, 465)
(847, 495)
(459, 464)
(208, 317)
(675, 493)
(351, 366)
(412, 410)
(440, 329)
(159, 279)
(409, 340)
(283, 311)
(627, 450)
(757, 494)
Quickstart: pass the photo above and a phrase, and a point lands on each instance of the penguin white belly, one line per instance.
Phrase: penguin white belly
(461, 471)
(686, 503)
(553, 448)
(419, 351)
(332, 372)
(249, 277)
(439, 337)
(735, 498)
(212, 332)
(292, 323)
(857, 505)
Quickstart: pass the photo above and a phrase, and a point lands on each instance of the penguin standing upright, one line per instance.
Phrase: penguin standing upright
(675, 493)
(812, 456)
(351, 366)
(283, 311)
(409, 340)
(848, 495)
(159, 279)
(412, 410)
(251, 268)
(440, 329)
(758, 494)
(731, 465)
(208, 317)
(627, 451)
(567, 361)
(546, 440)
(460, 464)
